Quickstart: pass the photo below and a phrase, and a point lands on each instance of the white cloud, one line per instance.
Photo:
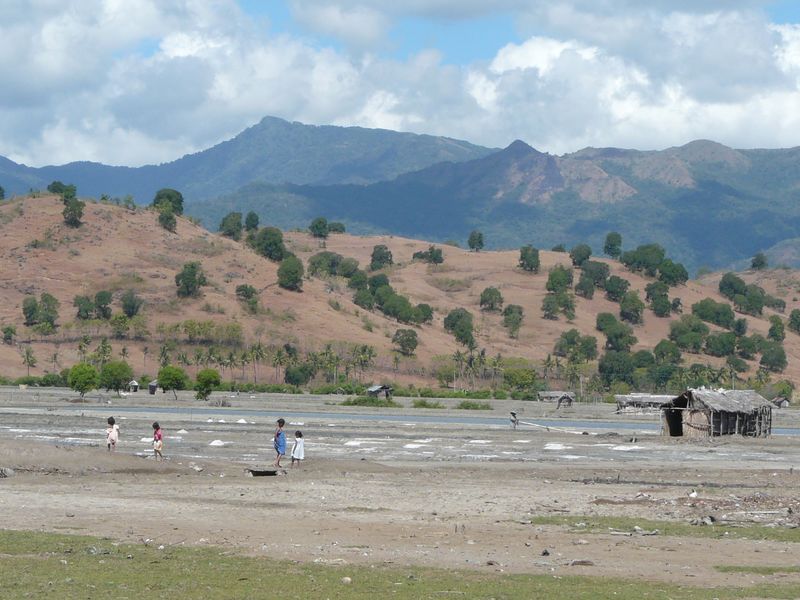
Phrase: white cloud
(130, 82)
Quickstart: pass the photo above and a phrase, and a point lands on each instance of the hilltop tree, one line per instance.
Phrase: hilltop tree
(491, 299)
(672, 273)
(131, 303)
(794, 321)
(190, 279)
(513, 315)
(268, 242)
(167, 197)
(167, 220)
(773, 357)
(475, 241)
(529, 259)
(613, 245)
(173, 379)
(596, 271)
(83, 378)
(381, 257)
(231, 226)
(777, 331)
(319, 227)
(2, 193)
(9, 331)
(102, 304)
(207, 380)
(30, 310)
(73, 212)
(559, 279)
(336, 227)
(85, 306)
(580, 254)
(251, 221)
(459, 323)
(432, 255)
(66, 191)
(406, 341)
(759, 262)
(647, 258)
(290, 273)
(631, 308)
(115, 375)
(616, 288)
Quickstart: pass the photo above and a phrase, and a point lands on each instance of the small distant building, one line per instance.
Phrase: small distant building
(377, 390)
(641, 403)
(710, 413)
(780, 402)
(133, 385)
(566, 398)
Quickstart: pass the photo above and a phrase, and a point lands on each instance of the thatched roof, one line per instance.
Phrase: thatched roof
(741, 401)
(557, 395)
(642, 399)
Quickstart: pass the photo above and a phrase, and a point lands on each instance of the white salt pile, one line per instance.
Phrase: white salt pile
(218, 443)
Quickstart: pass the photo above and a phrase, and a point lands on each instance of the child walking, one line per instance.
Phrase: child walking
(158, 441)
(279, 443)
(298, 450)
(112, 434)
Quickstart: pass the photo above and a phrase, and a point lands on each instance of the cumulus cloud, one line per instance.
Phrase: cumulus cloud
(138, 81)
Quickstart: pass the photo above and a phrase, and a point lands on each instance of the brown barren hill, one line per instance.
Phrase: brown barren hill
(117, 249)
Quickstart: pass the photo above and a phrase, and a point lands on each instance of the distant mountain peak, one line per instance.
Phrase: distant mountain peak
(520, 148)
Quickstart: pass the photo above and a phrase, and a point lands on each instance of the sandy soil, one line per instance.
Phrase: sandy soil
(451, 495)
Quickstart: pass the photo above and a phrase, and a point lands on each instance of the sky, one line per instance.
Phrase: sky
(131, 82)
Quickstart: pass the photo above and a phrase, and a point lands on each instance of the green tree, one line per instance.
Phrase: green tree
(115, 375)
(595, 271)
(190, 279)
(661, 306)
(667, 352)
(491, 299)
(85, 306)
(73, 212)
(672, 273)
(102, 304)
(529, 259)
(616, 366)
(580, 254)
(631, 308)
(9, 332)
(131, 303)
(103, 352)
(406, 341)
(48, 309)
(381, 257)
(268, 242)
(794, 321)
(585, 287)
(167, 220)
(647, 258)
(319, 227)
(231, 225)
(616, 288)
(83, 378)
(290, 273)
(336, 227)
(207, 380)
(559, 279)
(731, 285)
(459, 323)
(251, 221)
(613, 245)
(432, 255)
(173, 379)
(2, 193)
(513, 315)
(475, 241)
(759, 262)
(773, 357)
(29, 358)
(170, 198)
(120, 326)
(777, 332)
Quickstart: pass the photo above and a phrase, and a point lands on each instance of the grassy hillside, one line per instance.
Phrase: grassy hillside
(117, 249)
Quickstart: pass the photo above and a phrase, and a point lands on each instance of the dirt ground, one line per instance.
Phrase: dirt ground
(373, 491)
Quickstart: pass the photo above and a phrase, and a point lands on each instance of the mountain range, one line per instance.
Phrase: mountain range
(707, 204)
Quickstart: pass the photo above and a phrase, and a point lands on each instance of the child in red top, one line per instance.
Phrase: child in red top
(158, 441)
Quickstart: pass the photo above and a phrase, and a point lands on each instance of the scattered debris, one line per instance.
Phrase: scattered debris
(581, 562)
(545, 552)
(6, 472)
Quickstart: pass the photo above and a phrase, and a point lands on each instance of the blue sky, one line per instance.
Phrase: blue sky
(147, 81)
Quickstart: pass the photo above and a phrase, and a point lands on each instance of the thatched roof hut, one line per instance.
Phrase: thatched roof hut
(709, 413)
(641, 403)
(566, 398)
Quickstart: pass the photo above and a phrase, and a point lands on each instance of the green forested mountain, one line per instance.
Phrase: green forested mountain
(274, 151)
(706, 203)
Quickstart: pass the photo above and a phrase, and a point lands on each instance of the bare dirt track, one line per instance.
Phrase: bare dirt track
(377, 491)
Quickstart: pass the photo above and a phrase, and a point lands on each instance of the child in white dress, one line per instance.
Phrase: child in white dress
(298, 450)
(112, 434)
